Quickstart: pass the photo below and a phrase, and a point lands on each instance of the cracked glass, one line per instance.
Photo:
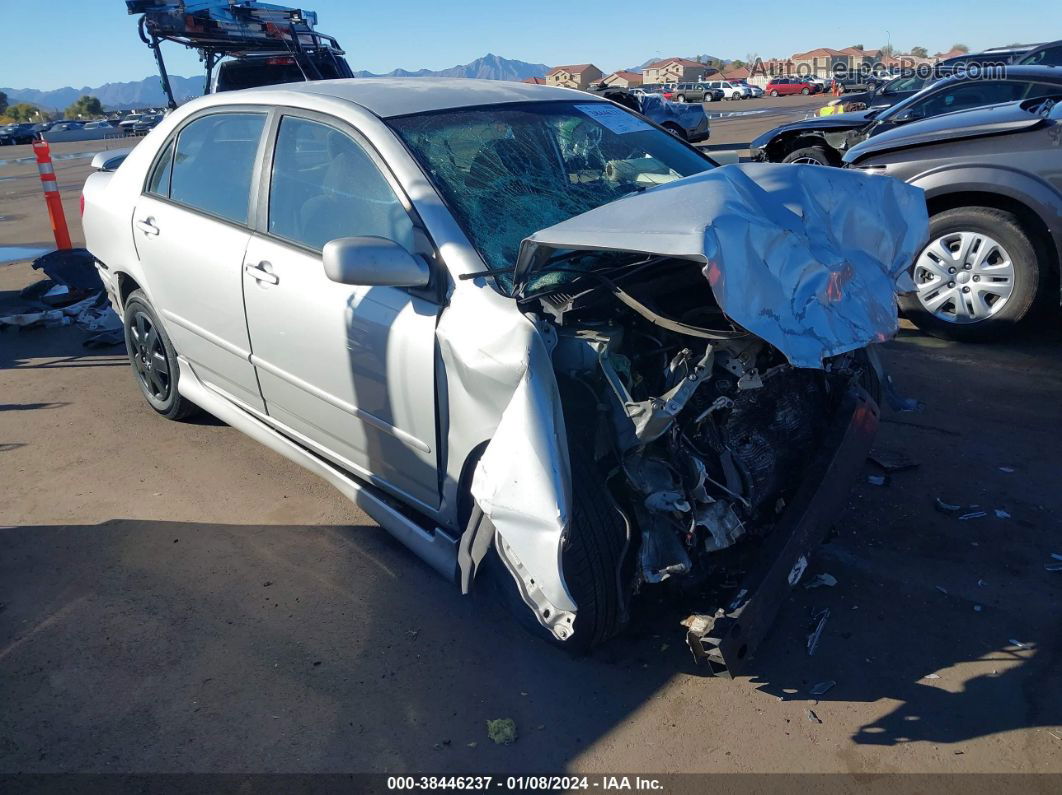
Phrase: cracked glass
(507, 171)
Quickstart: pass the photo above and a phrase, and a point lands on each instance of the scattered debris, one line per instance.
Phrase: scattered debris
(978, 608)
(877, 480)
(1053, 566)
(1008, 470)
(1056, 556)
(942, 589)
(892, 460)
(798, 570)
(502, 731)
(822, 580)
(981, 583)
(823, 687)
(1001, 514)
(931, 676)
(1017, 643)
(813, 717)
(820, 622)
(972, 515)
(472, 744)
(946, 507)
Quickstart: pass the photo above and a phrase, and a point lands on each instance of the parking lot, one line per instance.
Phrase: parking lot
(174, 597)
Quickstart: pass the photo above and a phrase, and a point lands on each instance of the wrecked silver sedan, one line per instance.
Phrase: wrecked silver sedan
(534, 336)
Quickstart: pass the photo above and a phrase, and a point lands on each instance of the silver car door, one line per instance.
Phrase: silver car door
(350, 369)
(191, 227)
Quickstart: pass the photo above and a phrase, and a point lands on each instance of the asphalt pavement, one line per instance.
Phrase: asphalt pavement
(174, 597)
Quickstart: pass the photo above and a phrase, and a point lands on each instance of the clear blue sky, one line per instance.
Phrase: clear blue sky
(53, 43)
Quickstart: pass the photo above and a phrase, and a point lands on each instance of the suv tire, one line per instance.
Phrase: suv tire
(153, 359)
(1028, 277)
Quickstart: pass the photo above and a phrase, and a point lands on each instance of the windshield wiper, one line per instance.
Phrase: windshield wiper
(488, 272)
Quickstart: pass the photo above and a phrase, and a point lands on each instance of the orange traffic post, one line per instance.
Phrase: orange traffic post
(51, 194)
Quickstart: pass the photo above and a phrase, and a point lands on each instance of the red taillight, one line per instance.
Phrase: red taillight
(82, 203)
(280, 61)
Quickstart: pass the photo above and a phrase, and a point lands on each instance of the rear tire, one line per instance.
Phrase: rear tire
(805, 91)
(681, 98)
(153, 359)
(1029, 279)
(675, 130)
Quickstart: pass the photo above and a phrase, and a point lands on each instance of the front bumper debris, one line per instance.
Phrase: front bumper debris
(726, 640)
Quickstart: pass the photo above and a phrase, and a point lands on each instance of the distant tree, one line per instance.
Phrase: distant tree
(737, 64)
(960, 47)
(919, 52)
(86, 106)
(24, 111)
(3, 101)
(887, 51)
(858, 47)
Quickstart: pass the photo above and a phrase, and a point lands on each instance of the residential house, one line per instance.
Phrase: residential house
(676, 70)
(580, 76)
(536, 81)
(738, 74)
(623, 79)
(763, 70)
(826, 62)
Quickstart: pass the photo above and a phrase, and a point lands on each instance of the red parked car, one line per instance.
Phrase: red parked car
(780, 86)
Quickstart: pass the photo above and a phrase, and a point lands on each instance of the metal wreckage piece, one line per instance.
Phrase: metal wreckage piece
(741, 409)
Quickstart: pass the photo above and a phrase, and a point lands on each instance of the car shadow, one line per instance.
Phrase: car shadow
(177, 646)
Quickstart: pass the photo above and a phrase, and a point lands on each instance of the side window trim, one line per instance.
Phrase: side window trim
(256, 175)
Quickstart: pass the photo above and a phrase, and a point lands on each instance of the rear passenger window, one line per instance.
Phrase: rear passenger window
(214, 163)
(325, 186)
(159, 184)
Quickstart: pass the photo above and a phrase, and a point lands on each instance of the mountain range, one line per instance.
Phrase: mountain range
(148, 92)
(114, 96)
(489, 67)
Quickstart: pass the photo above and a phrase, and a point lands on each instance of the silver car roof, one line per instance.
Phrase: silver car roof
(399, 96)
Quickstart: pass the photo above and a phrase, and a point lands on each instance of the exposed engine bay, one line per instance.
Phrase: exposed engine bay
(700, 429)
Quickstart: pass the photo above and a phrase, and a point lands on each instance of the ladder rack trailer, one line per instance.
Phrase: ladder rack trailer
(279, 42)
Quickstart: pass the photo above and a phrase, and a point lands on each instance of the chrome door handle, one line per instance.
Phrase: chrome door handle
(147, 226)
(260, 273)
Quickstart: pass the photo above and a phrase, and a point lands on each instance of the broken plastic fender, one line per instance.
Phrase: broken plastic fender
(808, 258)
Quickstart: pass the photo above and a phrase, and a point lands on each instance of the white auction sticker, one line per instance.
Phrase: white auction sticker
(615, 119)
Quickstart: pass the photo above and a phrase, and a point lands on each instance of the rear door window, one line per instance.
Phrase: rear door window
(972, 94)
(213, 164)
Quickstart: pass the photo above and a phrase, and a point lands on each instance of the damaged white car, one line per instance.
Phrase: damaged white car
(530, 333)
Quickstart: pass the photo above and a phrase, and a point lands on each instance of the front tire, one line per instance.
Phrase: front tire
(591, 560)
(978, 278)
(153, 359)
(681, 98)
(774, 93)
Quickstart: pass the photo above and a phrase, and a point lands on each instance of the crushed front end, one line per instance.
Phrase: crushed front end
(719, 371)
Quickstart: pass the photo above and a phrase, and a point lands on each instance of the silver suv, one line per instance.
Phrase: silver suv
(530, 333)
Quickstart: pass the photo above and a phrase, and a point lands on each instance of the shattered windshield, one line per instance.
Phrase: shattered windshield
(508, 171)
